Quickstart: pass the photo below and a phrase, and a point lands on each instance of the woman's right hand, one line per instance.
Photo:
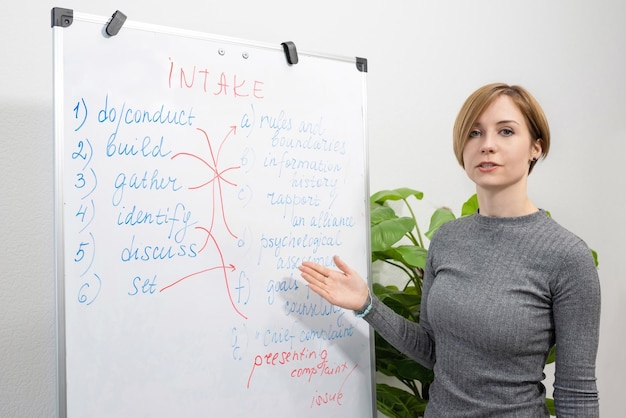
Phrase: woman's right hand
(344, 288)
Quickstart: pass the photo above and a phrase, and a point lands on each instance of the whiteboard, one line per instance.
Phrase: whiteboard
(194, 173)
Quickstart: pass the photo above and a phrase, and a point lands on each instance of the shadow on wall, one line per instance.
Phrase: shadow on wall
(27, 287)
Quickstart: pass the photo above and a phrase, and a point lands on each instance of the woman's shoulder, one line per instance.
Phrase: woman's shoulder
(569, 242)
(459, 223)
(453, 230)
(454, 226)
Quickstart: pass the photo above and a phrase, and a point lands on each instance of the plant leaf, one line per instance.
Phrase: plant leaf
(386, 233)
(402, 309)
(470, 206)
(406, 303)
(551, 355)
(386, 357)
(440, 217)
(382, 290)
(413, 255)
(408, 298)
(397, 403)
(550, 406)
(391, 362)
(395, 194)
(410, 369)
(381, 213)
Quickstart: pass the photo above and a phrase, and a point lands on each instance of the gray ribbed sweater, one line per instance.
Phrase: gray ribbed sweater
(497, 294)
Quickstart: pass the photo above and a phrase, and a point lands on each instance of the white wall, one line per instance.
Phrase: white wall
(424, 59)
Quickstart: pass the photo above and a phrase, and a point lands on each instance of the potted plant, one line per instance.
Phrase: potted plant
(398, 241)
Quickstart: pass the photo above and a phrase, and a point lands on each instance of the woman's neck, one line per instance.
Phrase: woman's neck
(504, 204)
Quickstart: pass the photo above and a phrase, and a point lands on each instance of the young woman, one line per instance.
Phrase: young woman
(501, 287)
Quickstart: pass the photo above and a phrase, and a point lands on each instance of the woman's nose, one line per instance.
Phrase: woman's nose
(486, 149)
(487, 146)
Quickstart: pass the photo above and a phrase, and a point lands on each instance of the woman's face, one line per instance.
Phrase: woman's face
(499, 150)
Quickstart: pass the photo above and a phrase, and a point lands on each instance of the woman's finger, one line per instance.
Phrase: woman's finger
(310, 272)
(341, 265)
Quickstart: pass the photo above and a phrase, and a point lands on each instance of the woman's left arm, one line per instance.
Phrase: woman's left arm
(576, 310)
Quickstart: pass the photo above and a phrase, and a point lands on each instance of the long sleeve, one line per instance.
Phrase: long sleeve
(415, 340)
(407, 336)
(497, 294)
(576, 308)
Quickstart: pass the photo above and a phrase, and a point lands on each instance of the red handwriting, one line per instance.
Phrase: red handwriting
(230, 267)
(299, 370)
(284, 357)
(216, 180)
(220, 84)
(331, 398)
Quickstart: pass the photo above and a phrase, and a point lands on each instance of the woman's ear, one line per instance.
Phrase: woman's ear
(537, 148)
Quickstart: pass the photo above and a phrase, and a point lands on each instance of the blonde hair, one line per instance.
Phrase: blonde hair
(478, 101)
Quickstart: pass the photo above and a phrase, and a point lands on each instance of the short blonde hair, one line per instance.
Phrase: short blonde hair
(478, 101)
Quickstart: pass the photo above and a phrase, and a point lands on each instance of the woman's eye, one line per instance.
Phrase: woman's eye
(474, 133)
(507, 132)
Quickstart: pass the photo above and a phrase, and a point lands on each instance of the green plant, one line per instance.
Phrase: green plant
(398, 242)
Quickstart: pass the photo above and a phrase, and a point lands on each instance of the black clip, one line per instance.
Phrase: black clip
(290, 52)
(361, 64)
(116, 23)
(62, 17)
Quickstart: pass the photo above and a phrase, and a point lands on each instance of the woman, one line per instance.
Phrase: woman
(501, 287)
